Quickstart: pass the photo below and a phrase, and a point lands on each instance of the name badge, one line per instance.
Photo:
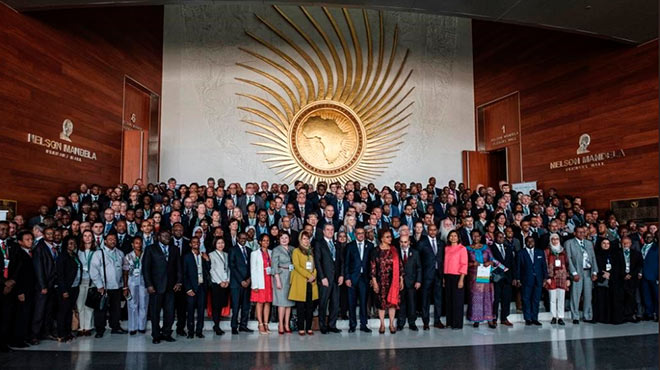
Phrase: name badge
(557, 263)
(200, 279)
(6, 263)
(308, 265)
(85, 269)
(268, 270)
(136, 272)
(608, 267)
(290, 267)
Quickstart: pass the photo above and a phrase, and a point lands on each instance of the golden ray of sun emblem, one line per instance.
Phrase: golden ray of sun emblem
(342, 120)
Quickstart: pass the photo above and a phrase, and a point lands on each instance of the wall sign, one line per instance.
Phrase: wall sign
(61, 148)
(585, 159)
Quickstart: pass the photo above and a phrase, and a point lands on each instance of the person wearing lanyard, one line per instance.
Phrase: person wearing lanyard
(85, 253)
(262, 290)
(608, 290)
(195, 272)
(304, 290)
(69, 274)
(650, 276)
(283, 267)
(135, 290)
(106, 275)
(584, 270)
(219, 281)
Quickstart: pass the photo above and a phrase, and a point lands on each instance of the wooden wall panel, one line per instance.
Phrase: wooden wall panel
(69, 64)
(570, 85)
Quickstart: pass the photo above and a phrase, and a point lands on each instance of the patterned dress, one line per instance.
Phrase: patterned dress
(480, 295)
(381, 268)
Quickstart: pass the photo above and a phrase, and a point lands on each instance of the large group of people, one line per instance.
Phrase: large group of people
(172, 252)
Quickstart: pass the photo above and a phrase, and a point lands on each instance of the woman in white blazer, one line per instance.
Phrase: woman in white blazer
(262, 285)
(219, 282)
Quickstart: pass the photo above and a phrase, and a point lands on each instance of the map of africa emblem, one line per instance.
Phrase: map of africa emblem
(333, 109)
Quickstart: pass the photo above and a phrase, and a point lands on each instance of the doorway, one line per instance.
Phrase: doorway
(485, 168)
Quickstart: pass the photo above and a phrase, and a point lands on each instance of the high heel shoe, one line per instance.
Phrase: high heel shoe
(279, 330)
(288, 331)
(381, 330)
(262, 330)
(392, 330)
(309, 332)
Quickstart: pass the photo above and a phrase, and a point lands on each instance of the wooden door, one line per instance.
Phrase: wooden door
(485, 168)
(132, 165)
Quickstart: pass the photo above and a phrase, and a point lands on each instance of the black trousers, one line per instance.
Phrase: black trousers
(432, 292)
(219, 299)
(113, 307)
(180, 307)
(503, 293)
(164, 302)
(455, 301)
(629, 302)
(196, 305)
(240, 301)
(305, 310)
(407, 307)
(43, 318)
(65, 312)
(358, 291)
(23, 319)
(329, 305)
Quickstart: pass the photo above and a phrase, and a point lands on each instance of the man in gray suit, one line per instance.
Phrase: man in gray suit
(249, 197)
(584, 269)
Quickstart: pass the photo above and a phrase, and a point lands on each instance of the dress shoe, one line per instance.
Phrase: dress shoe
(118, 331)
(351, 330)
(191, 336)
(536, 322)
(181, 333)
(169, 339)
(155, 341)
(132, 332)
(553, 321)
(218, 331)
(98, 335)
(200, 335)
(475, 325)
(528, 322)
(234, 331)
(426, 327)
(589, 321)
(413, 328)
(334, 330)
(439, 325)
(399, 328)
(365, 329)
(492, 324)
(246, 329)
(561, 322)
(506, 323)
(324, 331)
(142, 331)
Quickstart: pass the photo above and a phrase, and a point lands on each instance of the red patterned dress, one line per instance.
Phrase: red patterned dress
(382, 262)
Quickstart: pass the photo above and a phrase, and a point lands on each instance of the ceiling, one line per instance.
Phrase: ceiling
(626, 21)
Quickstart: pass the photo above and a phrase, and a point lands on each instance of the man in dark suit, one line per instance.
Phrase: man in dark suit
(633, 268)
(329, 217)
(407, 217)
(412, 267)
(330, 275)
(123, 239)
(180, 242)
(650, 276)
(356, 273)
(161, 268)
(530, 273)
(440, 206)
(21, 270)
(432, 253)
(341, 205)
(316, 196)
(504, 254)
(44, 256)
(195, 279)
(38, 219)
(250, 196)
(239, 268)
(304, 207)
(466, 231)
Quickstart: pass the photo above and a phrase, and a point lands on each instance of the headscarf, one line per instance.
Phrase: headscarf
(556, 248)
(202, 246)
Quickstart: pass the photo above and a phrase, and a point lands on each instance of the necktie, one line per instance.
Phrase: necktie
(244, 254)
(626, 252)
(502, 251)
(54, 251)
(332, 249)
(165, 252)
(434, 245)
(405, 257)
(360, 247)
(531, 254)
(98, 241)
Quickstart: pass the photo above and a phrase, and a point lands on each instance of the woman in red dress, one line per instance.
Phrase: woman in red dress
(386, 279)
(262, 285)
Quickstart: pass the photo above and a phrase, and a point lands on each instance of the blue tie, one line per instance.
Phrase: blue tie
(332, 249)
(165, 252)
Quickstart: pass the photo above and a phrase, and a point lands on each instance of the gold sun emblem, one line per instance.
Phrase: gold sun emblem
(344, 119)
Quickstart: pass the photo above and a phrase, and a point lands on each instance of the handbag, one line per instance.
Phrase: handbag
(95, 299)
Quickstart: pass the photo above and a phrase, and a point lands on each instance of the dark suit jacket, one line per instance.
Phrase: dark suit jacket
(650, 269)
(635, 268)
(325, 266)
(527, 271)
(239, 267)
(509, 260)
(185, 246)
(190, 281)
(309, 208)
(159, 272)
(412, 270)
(44, 266)
(353, 264)
(465, 240)
(125, 245)
(429, 259)
(66, 271)
(345, 205)
(21, 270)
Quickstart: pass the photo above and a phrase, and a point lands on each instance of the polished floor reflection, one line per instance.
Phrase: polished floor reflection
(628, 352)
